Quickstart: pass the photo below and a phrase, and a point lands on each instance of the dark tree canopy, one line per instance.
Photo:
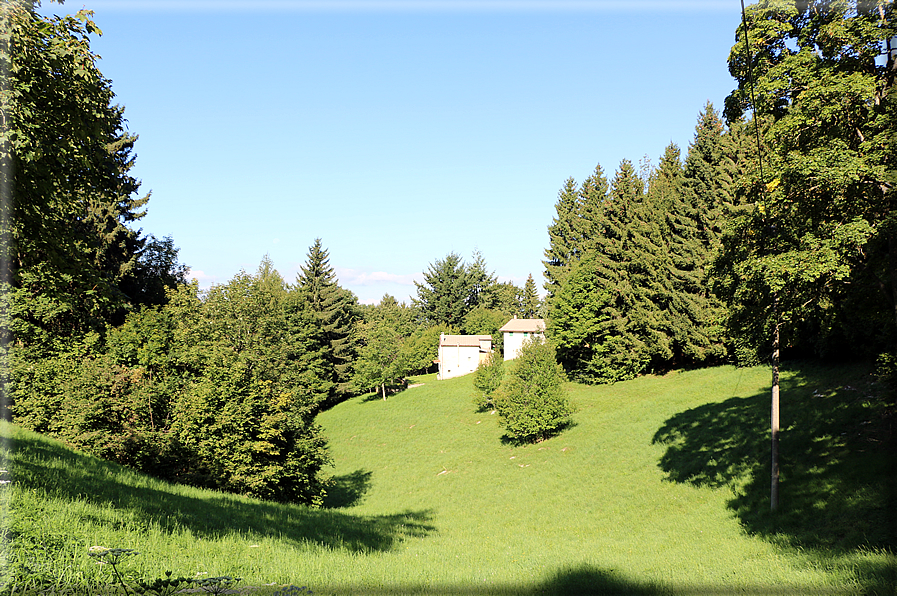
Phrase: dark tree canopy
(812, 250)
(449, 291)
(336, 310)
(65, 159)
(636, 297)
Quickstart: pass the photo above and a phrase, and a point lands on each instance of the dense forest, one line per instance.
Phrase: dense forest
(775, 228)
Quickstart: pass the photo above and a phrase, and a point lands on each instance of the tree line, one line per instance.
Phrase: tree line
(776, 228)
(776, 231)
(106, 345)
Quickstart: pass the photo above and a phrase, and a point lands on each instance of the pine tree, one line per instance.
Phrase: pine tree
(531, 306)
(593, 196)
(444, 296)
(695, 220)
(480, 284)
(564, 241)
(336, 310)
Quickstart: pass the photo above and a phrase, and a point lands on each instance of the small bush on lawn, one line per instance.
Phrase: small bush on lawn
(531, 400)
(486, 379)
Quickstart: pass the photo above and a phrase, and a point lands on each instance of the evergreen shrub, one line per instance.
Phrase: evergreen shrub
(487, 379)
(531, 400)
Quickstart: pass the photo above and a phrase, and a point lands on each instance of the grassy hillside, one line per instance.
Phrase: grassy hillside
(660, 486)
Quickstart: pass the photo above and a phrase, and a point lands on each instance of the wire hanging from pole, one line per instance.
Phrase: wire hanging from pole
(747, 46)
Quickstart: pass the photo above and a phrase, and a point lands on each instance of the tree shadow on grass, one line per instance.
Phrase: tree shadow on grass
(583, 580)
(60, 473)
(510, 441)
(837, 459)
(348, 490)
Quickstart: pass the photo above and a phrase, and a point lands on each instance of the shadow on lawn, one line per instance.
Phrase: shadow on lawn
(348, 489)
(584, 580)
(838, 466)
(70, 475)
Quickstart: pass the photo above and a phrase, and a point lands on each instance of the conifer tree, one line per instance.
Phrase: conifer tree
(695, 221)
(443, 297)
(480, 284)
(531, 306)
(510, 299)
(593, 194)
(564, 243)
(612, 314)
(336, 310)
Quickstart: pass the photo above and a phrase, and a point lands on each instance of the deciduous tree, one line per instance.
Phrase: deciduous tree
(819, 76)
(69, 198)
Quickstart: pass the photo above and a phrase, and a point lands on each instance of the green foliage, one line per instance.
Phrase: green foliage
(483, 321)
(810, 251)
(701, 198)
(444, 296)
(421, 348)
(381, 359)
(531, 401)
(486, 379)
(605, 319)
(595, 346)
(247, 416)
(452, 289)
(337, 314)
(95, 404)
(635, 295)
(217, 390)
(480, 283)
(67, 250)
(564, 242)
(531, 303)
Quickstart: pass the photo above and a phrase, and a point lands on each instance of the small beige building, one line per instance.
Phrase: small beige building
(516, 331)
(461, 354)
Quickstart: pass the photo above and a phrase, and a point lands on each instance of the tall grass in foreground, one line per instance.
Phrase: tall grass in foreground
(659, 486)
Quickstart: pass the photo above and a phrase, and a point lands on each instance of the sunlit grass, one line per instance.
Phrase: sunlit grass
(429, 498)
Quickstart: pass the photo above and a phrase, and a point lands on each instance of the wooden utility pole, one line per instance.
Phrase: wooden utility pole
(774, 424)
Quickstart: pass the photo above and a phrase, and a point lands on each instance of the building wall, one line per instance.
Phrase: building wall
(514, 341)
(455, 361)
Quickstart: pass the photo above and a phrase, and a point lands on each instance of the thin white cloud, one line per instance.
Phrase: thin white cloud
(205, 280)
(413, 5)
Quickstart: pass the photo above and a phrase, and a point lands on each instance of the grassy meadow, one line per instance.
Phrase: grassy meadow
(660, 486)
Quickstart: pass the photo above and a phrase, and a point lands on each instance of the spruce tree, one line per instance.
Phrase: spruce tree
(695, 220)
(648, 260)
(444, 296)
(593, 194)
(481, 291)
(564, 242)
(336, 310)
(612, 314)
(531, 306)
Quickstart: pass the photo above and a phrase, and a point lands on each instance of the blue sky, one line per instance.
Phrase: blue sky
(397, 131)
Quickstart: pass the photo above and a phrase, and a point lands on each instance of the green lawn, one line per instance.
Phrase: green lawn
(660, 486)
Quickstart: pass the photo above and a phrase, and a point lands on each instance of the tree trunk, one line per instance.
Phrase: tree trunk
(892, 267)
(774, 426)
(383, 388)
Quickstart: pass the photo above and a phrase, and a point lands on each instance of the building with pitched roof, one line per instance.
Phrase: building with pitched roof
(461, 354)
(516, 331)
